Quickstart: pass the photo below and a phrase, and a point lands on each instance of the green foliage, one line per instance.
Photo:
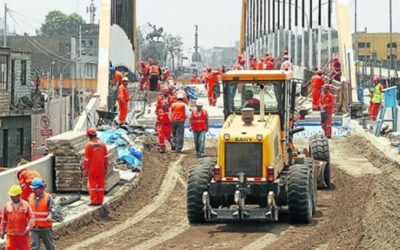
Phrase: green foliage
(59, 24)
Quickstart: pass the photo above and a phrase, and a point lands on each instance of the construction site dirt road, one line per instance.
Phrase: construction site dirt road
(359, 211)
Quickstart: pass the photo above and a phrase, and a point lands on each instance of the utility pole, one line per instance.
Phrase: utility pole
(355, 38)
(5, 26)
(80, 68)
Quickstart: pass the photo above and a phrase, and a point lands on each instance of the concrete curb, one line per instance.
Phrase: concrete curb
(85, 219)
(381, 143)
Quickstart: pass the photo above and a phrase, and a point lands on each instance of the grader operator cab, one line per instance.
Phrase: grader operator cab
(258, 169)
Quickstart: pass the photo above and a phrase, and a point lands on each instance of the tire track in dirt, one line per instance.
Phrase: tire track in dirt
(166, 189)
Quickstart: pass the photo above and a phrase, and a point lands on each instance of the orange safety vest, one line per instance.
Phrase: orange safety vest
(42, 211)
(178, 111)
(199, 120)
(317, 82)
(329, 100)
(154, 70)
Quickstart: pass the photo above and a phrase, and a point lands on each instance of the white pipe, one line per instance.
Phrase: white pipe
(310, 49)
(296, 47)
(290, 44)
(330, 44)
(303, 51)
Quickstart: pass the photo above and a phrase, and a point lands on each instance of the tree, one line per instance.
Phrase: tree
(59, 24)
(174, 47)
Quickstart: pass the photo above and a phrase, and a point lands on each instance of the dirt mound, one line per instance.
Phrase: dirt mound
(156, 166)
(382, 217)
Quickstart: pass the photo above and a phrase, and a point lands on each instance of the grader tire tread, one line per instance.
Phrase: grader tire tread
(199, 177)
(320, 151)
(299, 194)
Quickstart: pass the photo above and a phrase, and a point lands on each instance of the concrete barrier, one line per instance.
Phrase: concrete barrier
(9, 177)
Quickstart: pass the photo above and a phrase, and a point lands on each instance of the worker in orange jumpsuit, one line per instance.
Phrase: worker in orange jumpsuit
(95, 166)
(164, 98)
(260, 64)
(327, 105)
(194, 79)
(144, 72)
(238, 61)
(317, 82)
(43, 208)
(164, 127)
(211, 81)
(270, 64)
(117, 76)
(287, 64)
(253, 62)
(123, 100)
(336, 72)
(183, 93)
(376, 99)
(167, 74)
(268, 58)
(25, 177)
(18, 221)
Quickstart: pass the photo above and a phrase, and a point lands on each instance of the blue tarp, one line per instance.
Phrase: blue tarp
(190, 93)
(129, 155)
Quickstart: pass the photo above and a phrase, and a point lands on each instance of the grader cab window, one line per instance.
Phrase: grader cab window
(247, 95)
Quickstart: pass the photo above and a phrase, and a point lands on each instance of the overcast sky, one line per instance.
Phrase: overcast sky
(218, 20)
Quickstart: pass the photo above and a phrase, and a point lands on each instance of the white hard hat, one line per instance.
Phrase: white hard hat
(199, 103)
(179, 96)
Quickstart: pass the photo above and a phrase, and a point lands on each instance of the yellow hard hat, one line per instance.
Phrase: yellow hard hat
(125, 79)
(15, 190)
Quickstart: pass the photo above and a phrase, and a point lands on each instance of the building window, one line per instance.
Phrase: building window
(394, 45)
(20, 141)
(23, 72)
(368, 45)
(83, 43)
(90, 43)
(3, 72)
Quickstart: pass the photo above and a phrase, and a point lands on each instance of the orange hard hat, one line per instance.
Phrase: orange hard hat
(91, 131)
(327, 86)
(336, 59)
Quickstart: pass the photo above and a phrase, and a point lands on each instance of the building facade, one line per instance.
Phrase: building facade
(376, 46)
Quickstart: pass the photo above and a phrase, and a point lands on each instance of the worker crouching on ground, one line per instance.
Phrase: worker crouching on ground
(376, 99)
(317, 82)
(25, 178)
(95, 165)
(199, 126)
(42, 205)
(179, 113)
(327, 105)
(123, 100)
(17, 221)
(164, 127)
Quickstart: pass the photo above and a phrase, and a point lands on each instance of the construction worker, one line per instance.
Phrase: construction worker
(317, 82)
(253, 62)
(199, 126)
(270, 64)
(260, 64)
(211, 81)
(144, 72)
(117, 76)
(179, 113)
(25, 177)
(164, 127)
(167, 74)
(123, 100)
(268, 57)
(237, 63)
(95, 166)
(155, 74)
(194, 79)
(18, 221)
(164, 98)
(182, 92)
(286, 65)
(43, 208)
(327, 104)
(336, 72)
(376, 99)
(251, 102)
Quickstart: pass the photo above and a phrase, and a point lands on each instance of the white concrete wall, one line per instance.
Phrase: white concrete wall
(88, 118)
(9, 177)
